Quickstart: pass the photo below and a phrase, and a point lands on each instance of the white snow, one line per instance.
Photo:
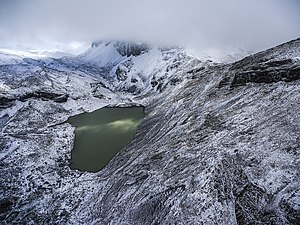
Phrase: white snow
(3, 87)
(226, 55)
(102, 56)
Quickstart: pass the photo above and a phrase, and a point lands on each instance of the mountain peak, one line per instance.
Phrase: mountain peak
(125, 48)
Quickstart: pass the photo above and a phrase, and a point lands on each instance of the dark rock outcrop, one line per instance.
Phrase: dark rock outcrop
(128, 49)
(273, 65)
(43, 95)
(268, 72)
(125, 48)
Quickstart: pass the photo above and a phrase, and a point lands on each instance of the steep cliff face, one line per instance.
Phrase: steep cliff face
(219, 146)
(277, 64)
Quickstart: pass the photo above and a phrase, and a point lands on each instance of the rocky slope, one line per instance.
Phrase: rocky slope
(219, 144)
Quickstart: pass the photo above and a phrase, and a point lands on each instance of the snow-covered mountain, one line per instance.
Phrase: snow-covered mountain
(125, 66)
(219, 143)
(8, 56)
(134, 69)
(137, 68)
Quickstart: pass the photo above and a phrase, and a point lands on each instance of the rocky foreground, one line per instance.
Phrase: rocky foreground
(219, 144)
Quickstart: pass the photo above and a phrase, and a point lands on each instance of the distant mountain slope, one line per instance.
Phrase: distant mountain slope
(8, 58)
(13, 57)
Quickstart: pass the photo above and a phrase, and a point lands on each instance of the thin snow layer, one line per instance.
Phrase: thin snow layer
(207, 152)
(227, 55)
(207, 155)
(3, 87)
(8, 58)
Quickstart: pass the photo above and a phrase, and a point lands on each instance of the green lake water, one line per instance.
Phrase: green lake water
(101, 134)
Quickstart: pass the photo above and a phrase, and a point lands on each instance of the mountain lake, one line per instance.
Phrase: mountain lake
(101, 134)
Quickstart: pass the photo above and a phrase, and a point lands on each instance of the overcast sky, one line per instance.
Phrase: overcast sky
(71, 25)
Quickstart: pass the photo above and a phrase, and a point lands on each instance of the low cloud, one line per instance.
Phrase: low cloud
(72, 24)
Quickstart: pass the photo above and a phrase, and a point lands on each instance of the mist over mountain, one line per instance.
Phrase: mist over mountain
(73, 24)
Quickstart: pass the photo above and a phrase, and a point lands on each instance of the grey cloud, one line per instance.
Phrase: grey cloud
(48, 24)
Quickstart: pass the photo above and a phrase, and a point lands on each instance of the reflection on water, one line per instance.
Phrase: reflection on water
(124, 125)
(101, 134)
